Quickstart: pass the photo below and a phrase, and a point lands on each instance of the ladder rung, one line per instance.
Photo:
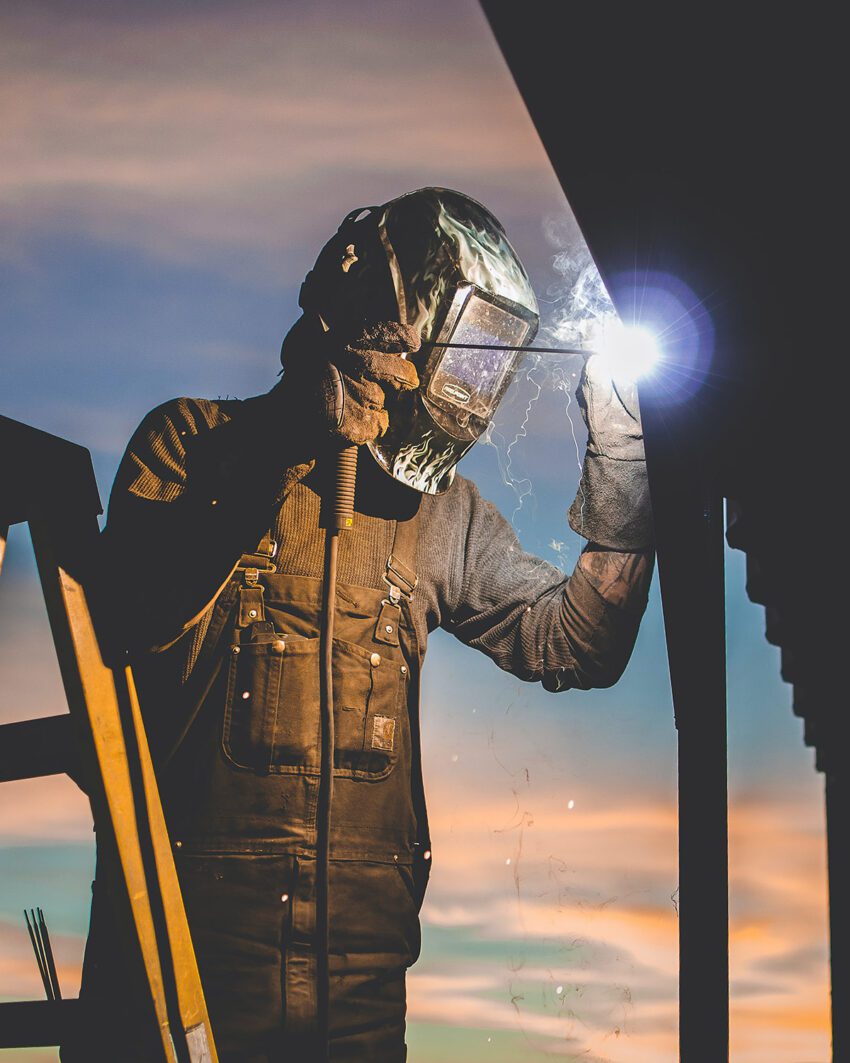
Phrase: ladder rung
(35, 748)
(38, 1023)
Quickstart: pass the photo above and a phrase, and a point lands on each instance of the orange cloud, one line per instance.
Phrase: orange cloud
(33, 811)
(568, 881)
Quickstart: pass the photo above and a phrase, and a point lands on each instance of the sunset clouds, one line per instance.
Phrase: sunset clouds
(587, 906)
(190, 129)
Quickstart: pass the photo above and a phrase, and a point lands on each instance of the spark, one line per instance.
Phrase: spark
(521, 434)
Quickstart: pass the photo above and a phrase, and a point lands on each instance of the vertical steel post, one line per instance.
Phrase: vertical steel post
(700, 699)
(688, 514)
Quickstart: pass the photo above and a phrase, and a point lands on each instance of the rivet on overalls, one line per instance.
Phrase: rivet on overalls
(246, 694)
(404, 669)
(389, 629)
(284, 897)
(375, 660)
(426, 855)
(178, 845)
(395, 857)
(279, 646)
(252, 613)
(234, 649)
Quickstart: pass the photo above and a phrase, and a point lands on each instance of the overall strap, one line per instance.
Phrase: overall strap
(231, 599)
(400, 578)
(400, 575)
(251, 606)
(262, 559)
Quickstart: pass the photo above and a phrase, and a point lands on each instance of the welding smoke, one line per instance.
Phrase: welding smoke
(580, 306)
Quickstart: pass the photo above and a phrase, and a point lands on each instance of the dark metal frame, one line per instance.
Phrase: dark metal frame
(683, 148)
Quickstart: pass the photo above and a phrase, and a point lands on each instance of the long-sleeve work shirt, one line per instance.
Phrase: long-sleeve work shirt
(201, 481)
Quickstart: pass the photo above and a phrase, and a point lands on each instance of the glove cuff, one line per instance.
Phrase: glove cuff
(612, 505)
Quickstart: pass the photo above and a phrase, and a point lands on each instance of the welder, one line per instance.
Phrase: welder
(214, 553)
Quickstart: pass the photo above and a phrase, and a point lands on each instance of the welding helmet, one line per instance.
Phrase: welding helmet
(441, 262)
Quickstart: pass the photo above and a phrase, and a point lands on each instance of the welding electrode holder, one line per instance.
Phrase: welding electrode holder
(339, 516)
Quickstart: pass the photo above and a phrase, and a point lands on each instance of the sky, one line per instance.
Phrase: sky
(169, 172)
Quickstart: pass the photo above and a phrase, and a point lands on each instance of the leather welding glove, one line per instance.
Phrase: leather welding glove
(372, 369)
(338, 391)
(612, 505)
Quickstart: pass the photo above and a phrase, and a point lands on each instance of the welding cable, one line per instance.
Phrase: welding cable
(341, 516)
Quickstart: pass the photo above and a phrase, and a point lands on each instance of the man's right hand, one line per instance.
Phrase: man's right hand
(336, 391)
(371, 367)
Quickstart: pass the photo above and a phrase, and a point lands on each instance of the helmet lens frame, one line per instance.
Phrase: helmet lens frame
(462, 387)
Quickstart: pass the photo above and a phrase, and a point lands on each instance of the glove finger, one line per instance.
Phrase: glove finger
(606, 388)
(362, 426)
(391, 337)
(389, 369)
(363, 393)
(589, 393)
(596, 381)
(627, 392)
(612, 428)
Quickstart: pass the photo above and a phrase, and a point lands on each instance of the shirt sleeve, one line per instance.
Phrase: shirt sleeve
(154, 464)
(531, 619)
(197, 486)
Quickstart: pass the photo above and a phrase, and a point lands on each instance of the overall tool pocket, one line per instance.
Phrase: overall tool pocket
(272, 720)
(367, 717)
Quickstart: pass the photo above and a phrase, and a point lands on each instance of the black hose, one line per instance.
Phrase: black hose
(341, 516)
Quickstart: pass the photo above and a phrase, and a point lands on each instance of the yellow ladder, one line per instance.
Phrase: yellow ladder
(49, 483)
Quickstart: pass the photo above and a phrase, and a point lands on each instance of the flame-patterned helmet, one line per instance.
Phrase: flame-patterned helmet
(440, 261)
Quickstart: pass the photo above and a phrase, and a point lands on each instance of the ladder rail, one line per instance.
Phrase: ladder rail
(106, 722)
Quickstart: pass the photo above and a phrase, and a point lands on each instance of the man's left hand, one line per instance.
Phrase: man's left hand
(612, 506)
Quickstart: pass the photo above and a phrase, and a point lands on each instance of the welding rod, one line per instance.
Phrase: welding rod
(40, 940)
(39, 956)
(502, 347)
(48, 948)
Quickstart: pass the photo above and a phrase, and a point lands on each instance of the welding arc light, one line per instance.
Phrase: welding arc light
(629, 351)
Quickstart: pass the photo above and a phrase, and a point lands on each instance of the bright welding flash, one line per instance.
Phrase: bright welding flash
(629, 350)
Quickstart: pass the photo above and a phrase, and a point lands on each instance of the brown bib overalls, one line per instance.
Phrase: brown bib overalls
(240, 797)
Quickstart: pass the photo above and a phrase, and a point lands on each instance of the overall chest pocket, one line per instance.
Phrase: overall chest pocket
(272, 711)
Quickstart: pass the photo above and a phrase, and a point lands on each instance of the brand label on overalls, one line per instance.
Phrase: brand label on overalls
(383, 733)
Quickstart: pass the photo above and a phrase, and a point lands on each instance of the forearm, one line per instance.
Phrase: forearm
(535, 622)
(601, 609)
(622, 578)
